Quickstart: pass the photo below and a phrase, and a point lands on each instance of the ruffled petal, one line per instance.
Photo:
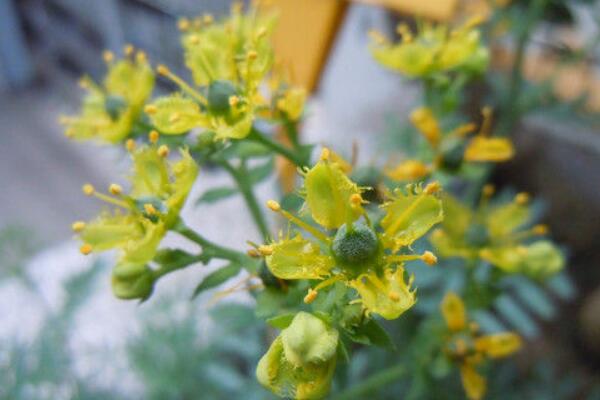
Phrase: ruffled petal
(453, 310)
(298, 258)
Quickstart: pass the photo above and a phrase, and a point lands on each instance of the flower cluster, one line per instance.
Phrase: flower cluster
(229, 61)
(433, 50)
(141, 218)
(450, 150)
(498, 234)
(467, 348)
(365, 256)
(111, 110)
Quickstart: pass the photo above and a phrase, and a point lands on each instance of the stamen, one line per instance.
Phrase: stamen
(85, 249)
(265, 250)
(130, 145)
(486, 125)
(307, 227)
(164, 71)
(128, 50)
(78, 226)
(405, 32)
(195, 39)
(234, 101)
(207, 19)
(115, 189)
(108, 56)
(141, 57)
(325, 154)
(429, 258)
(150, 109)
(183, 24)
(522, 198)
(150, 209)
(377, 37)
(311, 296)
(252, 55)
(153, 136)
(432, 188)
(488, 190)
(540, 229)
(88, 189)
(403, 257)
(273, 205)
(253, 253)
(163, 151)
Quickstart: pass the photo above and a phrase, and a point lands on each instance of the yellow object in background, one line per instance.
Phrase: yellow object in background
(303, 37)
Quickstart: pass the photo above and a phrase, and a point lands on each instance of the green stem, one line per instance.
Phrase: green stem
(240, 177)
(286, 152)
(168, 268)
(209, 249)
(372, 383)
(512, 108)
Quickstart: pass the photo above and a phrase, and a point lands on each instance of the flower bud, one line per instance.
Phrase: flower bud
(356, 248)
(132, 281)
(219, 93)
(301, 361)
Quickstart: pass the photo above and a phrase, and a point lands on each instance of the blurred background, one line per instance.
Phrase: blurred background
(63, 335)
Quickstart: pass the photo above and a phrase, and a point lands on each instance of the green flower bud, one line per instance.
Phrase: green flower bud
(308, 340)
(312, 345)
(453, 153)
(132, 281)
(219, 93)
(356, 248)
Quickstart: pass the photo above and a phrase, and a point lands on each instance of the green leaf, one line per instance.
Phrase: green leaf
(246, 149)
(260, 173)
(216, 194)
(281, 321)
(216, 278)
(168, 257)
(377, 335)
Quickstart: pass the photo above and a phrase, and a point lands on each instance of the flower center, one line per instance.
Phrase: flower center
(355, 248)
(477, 235)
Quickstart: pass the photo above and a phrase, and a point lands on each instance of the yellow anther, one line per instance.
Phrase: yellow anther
(85, 249)
(252, 54)
(522, 198)
(429, 258)
(108, 56)
(174, 117)
(128, 49)
(377, 37)
(394, 296)
(522, 251)
(265, 250)
(540, 229)
(325, 154)
(207, 19)
(183, 24)
(84, 83)
(194, 39)
(253, 253)
(150, 109)
(153, 136)
(115, 189)
(404, 31)
(311, 296)
(141, 57)
(150, 209)
(88, 189)
(273, 205)
(130, 144)
(436, 234)
(163, 151)
(78, 226)
(356, 200)
(432, 188)
(163, 70)
(488, 190)
(234, 101)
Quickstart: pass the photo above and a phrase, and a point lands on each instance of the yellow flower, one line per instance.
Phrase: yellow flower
(110, 111)
(301, 361)
(434, 49)
(350, 249)
(497, 234)
(451, 149)
(467, 348)
(141, 218)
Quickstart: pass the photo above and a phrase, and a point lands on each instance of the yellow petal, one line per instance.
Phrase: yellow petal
(110, 231)
(409, 170)
(424, 120)
(543, 259)
(410, 216)
(457, 216)
(237, 129)
(298, 258)
(504, 219)
(132, 80)
(482, 149)
(498, 345)
(150, 176)
(453, 310)
(473, 382)
(328, 195)
(292, 102)
(175, 114)
(389, 296)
